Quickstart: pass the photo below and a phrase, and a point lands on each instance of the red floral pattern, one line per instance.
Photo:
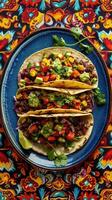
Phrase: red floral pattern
(30, 196)
(92, 179)
(88, 183)
(30, 2)
(28, 185)
(29, 14)
(88, 196)
(87, 15)
(91, 3)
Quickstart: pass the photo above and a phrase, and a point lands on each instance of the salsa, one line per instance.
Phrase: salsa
(34, 99)
(56, 130)
(58, 66)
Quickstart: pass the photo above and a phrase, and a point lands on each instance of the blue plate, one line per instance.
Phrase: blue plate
(33, 43)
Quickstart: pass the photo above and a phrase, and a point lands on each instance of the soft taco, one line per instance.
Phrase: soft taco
(37, 100)
(65, 133)
(59, 67)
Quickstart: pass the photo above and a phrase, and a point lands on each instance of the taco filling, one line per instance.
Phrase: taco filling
(57, 131)
(54, 66)
(34, 99)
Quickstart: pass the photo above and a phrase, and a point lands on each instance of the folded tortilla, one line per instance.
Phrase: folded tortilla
(39, 100)
(80, 125)
(58, 67)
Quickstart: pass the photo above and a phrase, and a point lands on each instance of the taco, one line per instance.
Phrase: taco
(65, 133)
(59, 67)
(36, 100)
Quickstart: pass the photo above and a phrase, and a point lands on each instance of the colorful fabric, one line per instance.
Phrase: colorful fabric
(92, 180)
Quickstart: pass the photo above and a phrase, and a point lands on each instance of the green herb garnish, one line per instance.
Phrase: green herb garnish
(76, 33)
(99, 97)
(51, 154)
(58, 41)
(59, 159)
(29, 65)
(86, 48)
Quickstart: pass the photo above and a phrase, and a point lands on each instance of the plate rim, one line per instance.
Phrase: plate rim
(1, 111)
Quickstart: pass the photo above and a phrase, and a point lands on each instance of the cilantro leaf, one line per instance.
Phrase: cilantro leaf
(76, 33)
(58, 41)
(29, 65)
(51, 154)
(60, 160)
(99, 97)
(86, 48)
(69, 144)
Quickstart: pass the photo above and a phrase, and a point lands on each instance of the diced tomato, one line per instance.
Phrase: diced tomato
(46, 101)
(75, 73)
(70, 136)
(32, 128)
(62, 132)
(56, 133)
(46, 78)
(51, 139)
(39, 75)
(69, 64)
(52, 77)
(45, 69)
(65, 107)
(77, 104)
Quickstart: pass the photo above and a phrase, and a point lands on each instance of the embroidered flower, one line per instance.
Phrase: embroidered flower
(87, 15)
(88, 183)
(30, 2)
(106, 5)
(106, 38)
(28, 185)
(90, 3)
(88, 196)
(106, 194)
(28, 14)
(28, 196)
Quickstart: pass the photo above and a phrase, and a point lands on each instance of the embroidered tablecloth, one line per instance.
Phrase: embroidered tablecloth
(92, 180)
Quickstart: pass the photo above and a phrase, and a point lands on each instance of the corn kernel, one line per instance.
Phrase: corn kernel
(33, 72)
(84, 103)
(18, 96)
(46, 61)
(58, 77)
(60, 55)
(71, 59)
(81, 67)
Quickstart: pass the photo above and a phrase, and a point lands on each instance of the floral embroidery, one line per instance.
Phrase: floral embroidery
(29, 185)
(30, 2)
(91, 3)
(18, 180)
(87, 15)
(28, 14)
(88, 183)
(88, 196)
